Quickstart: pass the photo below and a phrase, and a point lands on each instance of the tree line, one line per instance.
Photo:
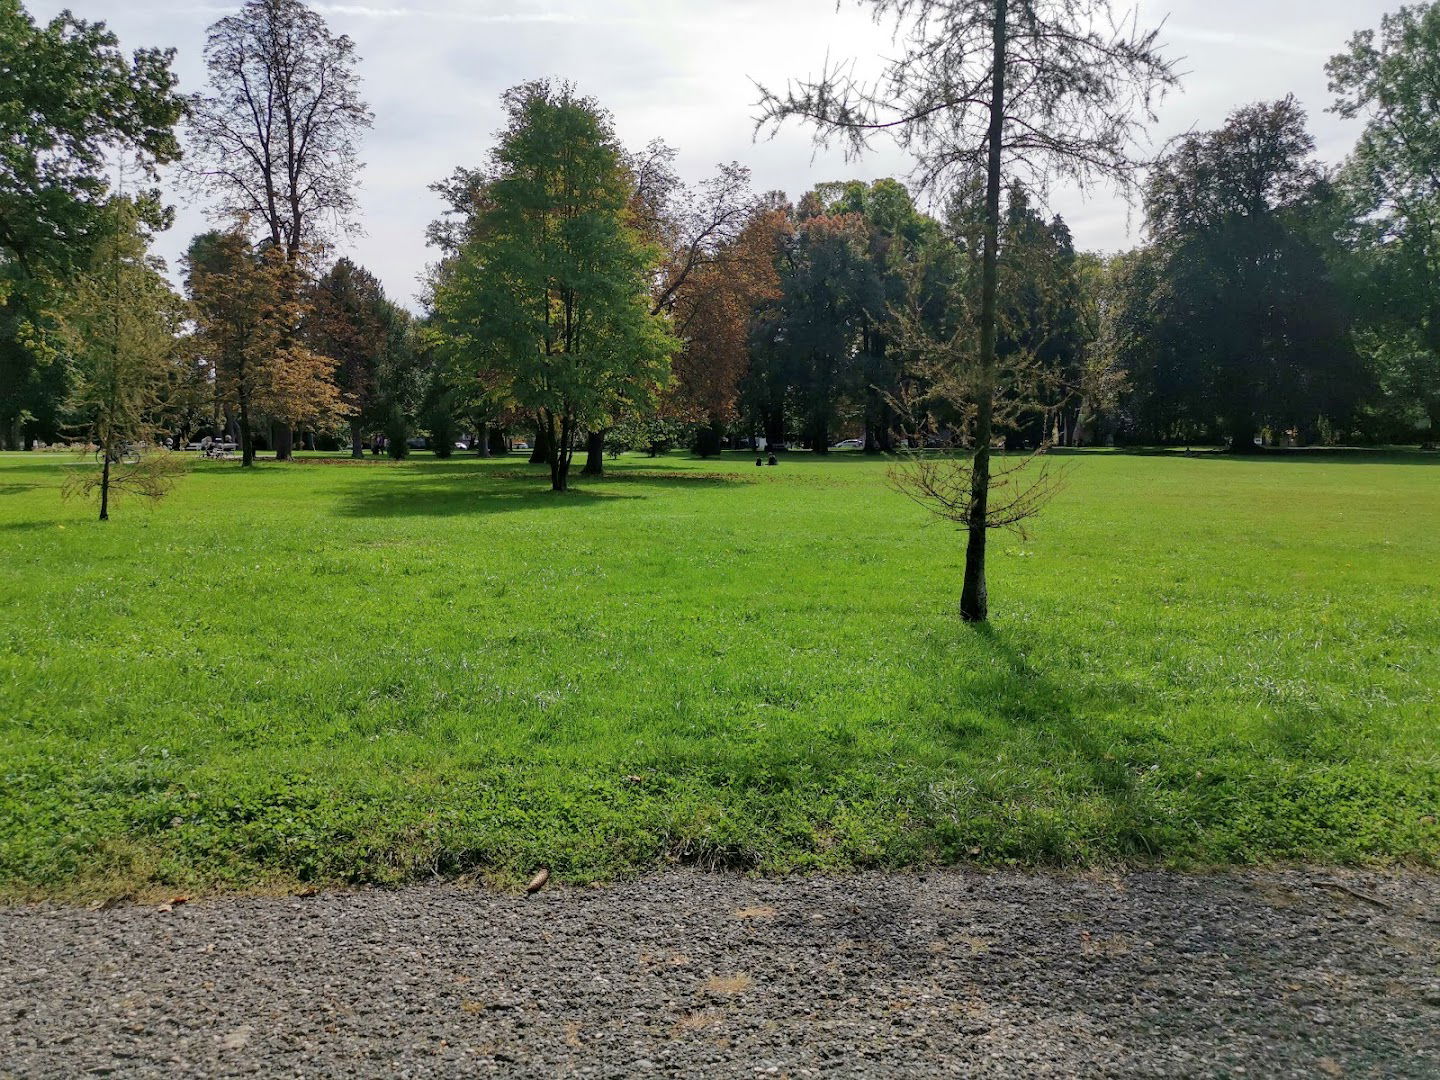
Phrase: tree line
(585, 298)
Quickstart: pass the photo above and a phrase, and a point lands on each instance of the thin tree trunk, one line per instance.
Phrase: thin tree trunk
(594, 454)
(357, 444)
(105, 487)
(247, 439)
(974, 597)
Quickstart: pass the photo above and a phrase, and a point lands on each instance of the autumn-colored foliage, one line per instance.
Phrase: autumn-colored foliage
(249, 306)
(713, 311)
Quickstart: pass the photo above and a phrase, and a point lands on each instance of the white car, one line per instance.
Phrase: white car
(849, 444)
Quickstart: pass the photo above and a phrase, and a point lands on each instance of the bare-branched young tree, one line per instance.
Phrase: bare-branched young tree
(936, 403)
(1008, 90)
(276, 140)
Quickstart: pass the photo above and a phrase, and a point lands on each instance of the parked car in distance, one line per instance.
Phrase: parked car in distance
(849, 444)
(519, 444)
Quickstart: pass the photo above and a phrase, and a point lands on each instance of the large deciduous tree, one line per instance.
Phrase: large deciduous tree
(249, 305)
(552, 288)
(981, 88)
(1246, 299)
(694, 228)
(276, 138)
(1391, 80)
(353, 322)
(713, 314)
(69, 99)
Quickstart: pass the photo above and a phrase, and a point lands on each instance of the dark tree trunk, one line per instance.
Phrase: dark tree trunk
(540, 452)
(247, 438)
(974, 596)
(560, 473)
(560, 453)
(105, 487)
(482, 441)
(594, 454)
(284, 436)
(498, 445)
(357, 443)
(775, 426)
(710, 439)
(878, 436)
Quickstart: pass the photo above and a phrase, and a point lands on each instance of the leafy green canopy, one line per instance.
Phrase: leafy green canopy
(1245, 304)
(549, 297)
(71, 102)
(1390, 81)
(121, 322)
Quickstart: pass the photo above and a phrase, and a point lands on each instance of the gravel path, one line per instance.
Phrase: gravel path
(938, 974)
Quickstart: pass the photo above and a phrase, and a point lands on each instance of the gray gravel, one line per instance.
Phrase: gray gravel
(938, 974)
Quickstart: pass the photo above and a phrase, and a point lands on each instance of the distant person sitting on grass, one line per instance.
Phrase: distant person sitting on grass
(759, 462)
(772, 461)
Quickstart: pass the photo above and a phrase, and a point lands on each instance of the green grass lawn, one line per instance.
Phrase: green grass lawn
(331, 672)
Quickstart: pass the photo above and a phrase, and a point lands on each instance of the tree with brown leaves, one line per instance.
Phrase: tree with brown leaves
(276, 138)
(249, 306)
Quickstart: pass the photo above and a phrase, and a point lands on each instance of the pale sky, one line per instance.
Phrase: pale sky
(682, 70)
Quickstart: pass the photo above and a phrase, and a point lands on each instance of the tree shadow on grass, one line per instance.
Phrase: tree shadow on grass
(441, 490)
(1029, 699)
(669, 478)
(462, 495)
(26, 526)
(47, 467)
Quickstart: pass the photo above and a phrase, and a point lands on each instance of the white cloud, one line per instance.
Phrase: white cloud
(682, 70)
